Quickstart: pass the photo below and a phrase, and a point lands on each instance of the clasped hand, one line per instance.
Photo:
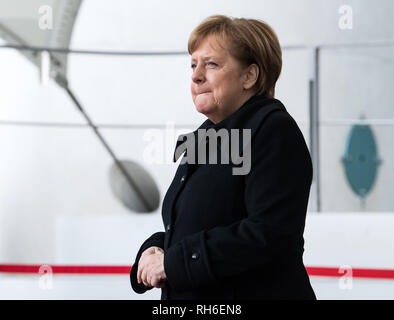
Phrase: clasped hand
(151, 268)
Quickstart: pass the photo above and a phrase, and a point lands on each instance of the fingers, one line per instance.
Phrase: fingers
(139, 272)
(142, 261)
(144, 277)
(157, 282)
(141, 267)
(144, 274)
(151, 269)
(150, 279)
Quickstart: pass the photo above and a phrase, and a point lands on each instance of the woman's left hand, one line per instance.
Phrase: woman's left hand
(151, 270)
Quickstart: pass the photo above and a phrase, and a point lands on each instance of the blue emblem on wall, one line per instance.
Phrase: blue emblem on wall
(361, 160)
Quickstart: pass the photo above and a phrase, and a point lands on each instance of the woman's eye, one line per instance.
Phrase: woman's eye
(212, 64)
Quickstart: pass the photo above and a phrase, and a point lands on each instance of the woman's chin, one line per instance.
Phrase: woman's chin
(203, 108)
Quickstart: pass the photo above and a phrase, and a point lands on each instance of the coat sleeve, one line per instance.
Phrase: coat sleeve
(157, 239)
(276, 195)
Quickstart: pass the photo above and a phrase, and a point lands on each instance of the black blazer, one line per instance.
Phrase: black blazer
(239, 236)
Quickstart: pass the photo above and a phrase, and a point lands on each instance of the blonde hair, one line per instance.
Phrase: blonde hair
(249, 41)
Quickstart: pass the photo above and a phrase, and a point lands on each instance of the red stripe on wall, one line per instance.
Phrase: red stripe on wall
(354, 272)
(97, 269)
(106, 269)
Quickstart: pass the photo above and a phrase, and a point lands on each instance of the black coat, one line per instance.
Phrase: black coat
(239, 236)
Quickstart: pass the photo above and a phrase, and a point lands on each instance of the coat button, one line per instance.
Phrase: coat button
(168, 227)
(195, 255)
(183, 178)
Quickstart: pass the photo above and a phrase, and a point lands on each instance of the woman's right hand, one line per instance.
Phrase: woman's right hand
(141, 273)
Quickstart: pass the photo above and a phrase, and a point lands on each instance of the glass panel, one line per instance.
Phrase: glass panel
(354, 83)
(337, 194)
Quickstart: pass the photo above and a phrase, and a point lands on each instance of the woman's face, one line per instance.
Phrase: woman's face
(217, 80)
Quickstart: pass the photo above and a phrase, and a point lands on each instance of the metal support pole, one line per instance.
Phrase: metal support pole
(314, 128)
(63, 83)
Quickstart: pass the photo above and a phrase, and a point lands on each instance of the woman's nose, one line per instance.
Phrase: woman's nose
(198, 75)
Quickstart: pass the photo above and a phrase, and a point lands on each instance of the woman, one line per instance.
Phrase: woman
(234, 236)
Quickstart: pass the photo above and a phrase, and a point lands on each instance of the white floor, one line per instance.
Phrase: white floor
(70, 287)
(327, 288)
(17, 286)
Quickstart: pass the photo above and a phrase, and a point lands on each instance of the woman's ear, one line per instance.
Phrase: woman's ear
(251, 75)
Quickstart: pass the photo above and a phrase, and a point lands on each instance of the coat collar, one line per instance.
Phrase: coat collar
(248, 116)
